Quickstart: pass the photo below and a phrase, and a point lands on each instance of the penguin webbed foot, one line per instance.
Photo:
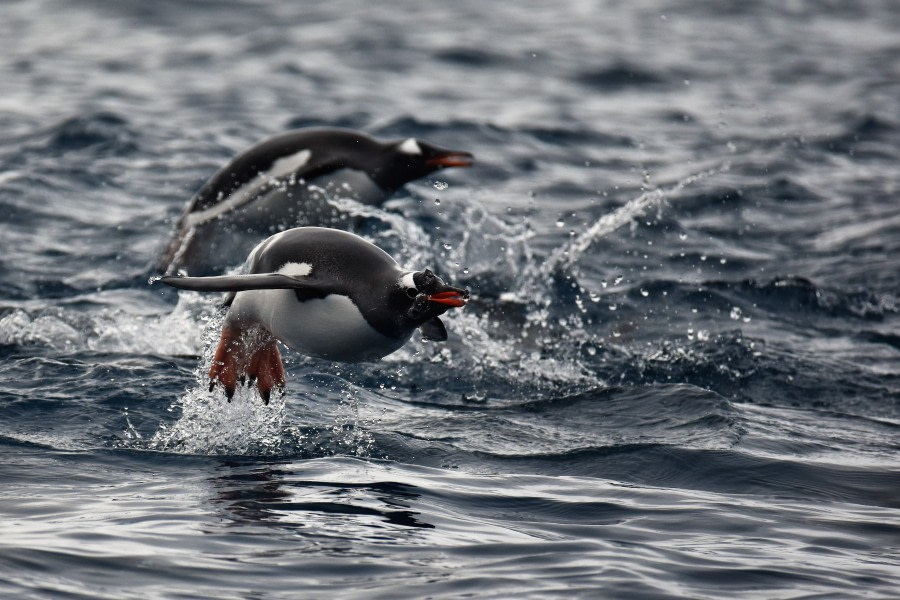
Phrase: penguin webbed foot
(247, 361)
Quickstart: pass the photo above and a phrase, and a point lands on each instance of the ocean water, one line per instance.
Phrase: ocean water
(679, 376)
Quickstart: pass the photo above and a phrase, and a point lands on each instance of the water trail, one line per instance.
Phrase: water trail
(491, 246)
(565, 257)
(114, 327)
(349, 431)
(406, 236)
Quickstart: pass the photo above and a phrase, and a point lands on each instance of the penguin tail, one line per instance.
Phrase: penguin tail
(247, 356)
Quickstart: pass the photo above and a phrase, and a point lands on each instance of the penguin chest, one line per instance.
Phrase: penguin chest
(331, 328)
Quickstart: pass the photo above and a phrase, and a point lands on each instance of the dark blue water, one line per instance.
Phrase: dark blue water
(679, 377)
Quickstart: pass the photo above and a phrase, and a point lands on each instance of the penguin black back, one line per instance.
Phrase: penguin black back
(268, 188)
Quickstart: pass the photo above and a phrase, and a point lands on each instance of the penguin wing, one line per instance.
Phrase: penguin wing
(434, 330)
(237, 185)
(253, 281)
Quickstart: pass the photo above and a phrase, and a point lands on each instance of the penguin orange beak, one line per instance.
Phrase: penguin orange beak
(454, 298)
(451, 158)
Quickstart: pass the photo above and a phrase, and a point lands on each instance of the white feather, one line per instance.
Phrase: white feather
(410, 146)
(330, 327)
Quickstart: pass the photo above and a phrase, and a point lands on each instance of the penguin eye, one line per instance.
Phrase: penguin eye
(412, 292)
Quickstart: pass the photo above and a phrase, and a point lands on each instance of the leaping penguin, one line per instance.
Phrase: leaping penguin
(286, 181)
(324, 292)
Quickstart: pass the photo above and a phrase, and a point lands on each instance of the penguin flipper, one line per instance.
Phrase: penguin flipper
(253, 281)
(434, 330)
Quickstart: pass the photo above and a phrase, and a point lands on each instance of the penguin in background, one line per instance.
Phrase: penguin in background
(286, 181)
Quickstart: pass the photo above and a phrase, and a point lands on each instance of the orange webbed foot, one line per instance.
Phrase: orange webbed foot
(225, 368)
(266, 368)
(244, 355)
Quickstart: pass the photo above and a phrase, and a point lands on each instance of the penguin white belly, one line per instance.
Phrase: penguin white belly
(330, 327)
(298, 203)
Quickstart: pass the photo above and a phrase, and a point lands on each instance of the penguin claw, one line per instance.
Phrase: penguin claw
(232, 365)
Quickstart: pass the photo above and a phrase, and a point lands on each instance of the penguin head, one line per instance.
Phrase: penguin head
(421, 297)
(409, 159)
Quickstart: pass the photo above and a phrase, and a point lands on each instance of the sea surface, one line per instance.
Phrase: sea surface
(679, 376)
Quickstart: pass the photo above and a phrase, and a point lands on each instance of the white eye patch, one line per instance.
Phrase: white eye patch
(407, 282)
(410, 146)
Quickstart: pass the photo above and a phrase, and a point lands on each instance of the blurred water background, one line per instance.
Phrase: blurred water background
(680, 375)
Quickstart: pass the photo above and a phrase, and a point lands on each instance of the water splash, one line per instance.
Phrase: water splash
(405, 239)
(536, 334)
(211, 425)
(114, 327)
(565, 257)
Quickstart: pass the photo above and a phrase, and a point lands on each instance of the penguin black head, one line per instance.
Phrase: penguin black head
(409, 159)
(421, 298)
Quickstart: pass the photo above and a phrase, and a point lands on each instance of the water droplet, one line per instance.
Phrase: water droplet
(604, 284)
(560, 223)
(437, 201)
(447, 246)
(612, 307)
(618, 280)
(682, 236)
(465, 270)
(441, 185)
(735, 313)
(644, 293)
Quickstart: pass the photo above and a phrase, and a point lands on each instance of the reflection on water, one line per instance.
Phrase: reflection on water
(251, 494)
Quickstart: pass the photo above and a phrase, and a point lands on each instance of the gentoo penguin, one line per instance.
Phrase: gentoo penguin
(324, 292)
(286, 181)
